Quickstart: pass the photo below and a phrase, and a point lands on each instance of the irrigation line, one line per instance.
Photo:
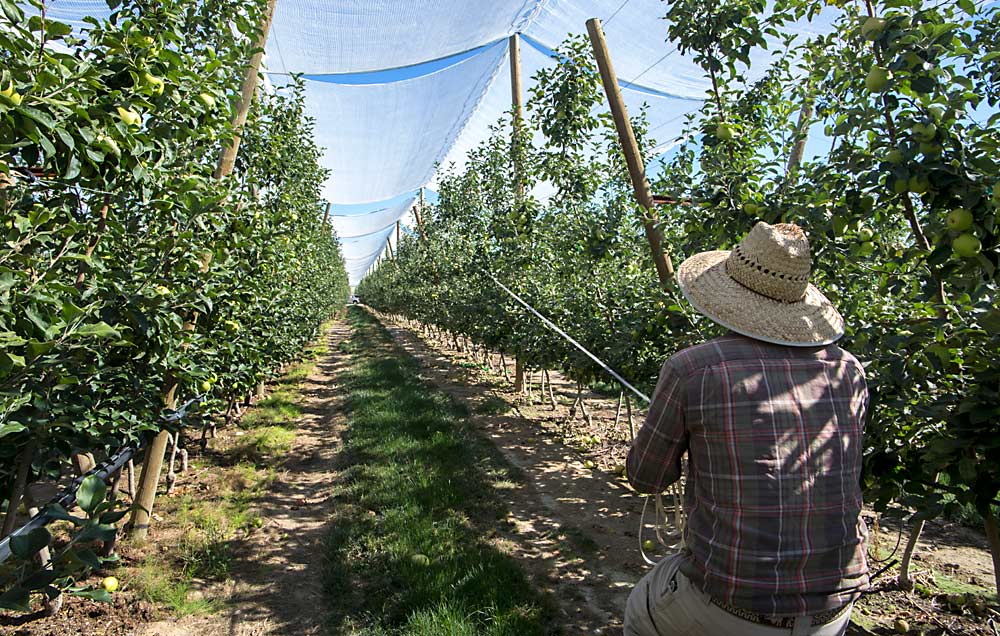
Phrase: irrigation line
(104, 471)
(570, 339)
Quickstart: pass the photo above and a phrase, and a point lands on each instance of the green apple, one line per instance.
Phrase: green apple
(207, 100)
(865, 234)
(724, 131)
(648, 545)
(753, 208)
(930, 149)
(420, 559)
(206, 386)
(895, 156)
(937, 111)
(967, 245)
(918, 184)
(11, 95)
(877, 79)
(924, 132)
(129, 117)
(231, 326)
(110, 584)
(900, 186)
(959, 220)
(867, 248)
(872, 28)
(162, 290)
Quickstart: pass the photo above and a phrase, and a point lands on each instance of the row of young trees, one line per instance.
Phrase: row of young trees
(133, 271)
(900, 207)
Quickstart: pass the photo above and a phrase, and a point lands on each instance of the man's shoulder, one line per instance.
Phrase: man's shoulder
(735, 347)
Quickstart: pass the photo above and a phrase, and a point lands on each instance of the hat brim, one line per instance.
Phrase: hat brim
(811, 322)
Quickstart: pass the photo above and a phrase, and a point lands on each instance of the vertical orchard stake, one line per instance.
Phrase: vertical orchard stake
(326, 215)
(397, 234)
(228, 158)
(630, 148)
(514, 48)
(420, 223)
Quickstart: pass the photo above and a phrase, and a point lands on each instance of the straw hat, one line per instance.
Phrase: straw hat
(761, 289)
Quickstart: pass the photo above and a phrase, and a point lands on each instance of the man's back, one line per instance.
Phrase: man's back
(773, 495)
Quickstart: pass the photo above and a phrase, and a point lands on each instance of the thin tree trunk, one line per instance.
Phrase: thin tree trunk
(17, 490)
(552, 395)
(618, 411)
(904, 580)
(503, 365)
(631, 423)
(993, 536)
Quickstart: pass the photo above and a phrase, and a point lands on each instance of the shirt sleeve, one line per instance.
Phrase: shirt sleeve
(654, 461)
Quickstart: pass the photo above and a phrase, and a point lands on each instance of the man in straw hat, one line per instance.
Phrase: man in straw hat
(771, 416)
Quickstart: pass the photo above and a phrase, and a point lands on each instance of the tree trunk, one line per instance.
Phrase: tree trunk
(993, 536)
(904, 567)
(17, 490)
(618, 411)
(552, 395)
(518, 375)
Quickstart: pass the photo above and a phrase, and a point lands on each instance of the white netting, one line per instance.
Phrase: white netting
(385, 130)
(382, 140)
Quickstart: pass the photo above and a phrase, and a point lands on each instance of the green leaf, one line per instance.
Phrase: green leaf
(61, 514)
(89, 558)
(91, 493)
(9, 428)
(113, 517)
(16, 599)
(24, 546)
(98, 594)
(98, 330)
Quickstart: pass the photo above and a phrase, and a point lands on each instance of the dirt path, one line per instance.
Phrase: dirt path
(276, 582)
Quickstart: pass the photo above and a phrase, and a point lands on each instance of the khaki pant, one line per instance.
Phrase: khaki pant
(665, 603)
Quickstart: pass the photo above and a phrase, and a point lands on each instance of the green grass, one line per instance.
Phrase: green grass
(419, 481)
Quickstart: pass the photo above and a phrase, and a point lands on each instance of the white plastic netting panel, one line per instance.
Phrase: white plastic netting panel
(637, 39)
(665, 115)
(383, 140)
(72, 12)
(350, 36)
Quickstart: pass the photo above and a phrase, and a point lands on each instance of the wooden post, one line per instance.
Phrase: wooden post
(250, 80)
(397, 234)
(420, 223)
(326, 215)
(802, 134)
(152, 463)
(515, 77)
(633, 156)
(388, 245)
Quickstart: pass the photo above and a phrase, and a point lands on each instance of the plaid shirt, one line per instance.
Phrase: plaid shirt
(773, 495)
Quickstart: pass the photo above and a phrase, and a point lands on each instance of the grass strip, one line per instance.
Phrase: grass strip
(412, 549)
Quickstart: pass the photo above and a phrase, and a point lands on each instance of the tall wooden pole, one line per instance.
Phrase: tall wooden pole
(420, 223)
(633, 156)
(250, 80)
(326, 215)
(153, 461)
(397, 234)
(388, 245)
(517, 108)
